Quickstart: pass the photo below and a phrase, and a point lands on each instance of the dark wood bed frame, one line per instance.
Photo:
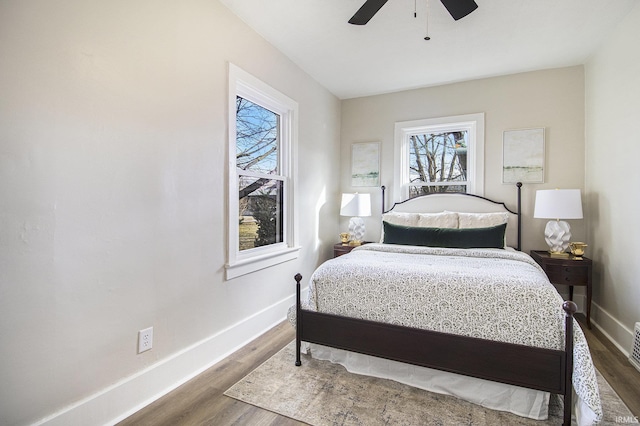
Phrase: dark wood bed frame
(530, 367)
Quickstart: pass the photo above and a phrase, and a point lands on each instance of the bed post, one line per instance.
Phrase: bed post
(383, 188)
(570, 308)
(298, 278)
(519, 185)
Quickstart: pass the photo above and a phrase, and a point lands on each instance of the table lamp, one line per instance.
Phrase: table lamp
(558, 204)
(356, 205)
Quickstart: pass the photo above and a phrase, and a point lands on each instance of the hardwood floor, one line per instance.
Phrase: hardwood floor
(614, 367)
(201, 400)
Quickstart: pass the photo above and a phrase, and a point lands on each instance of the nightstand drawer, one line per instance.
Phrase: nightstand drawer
(340, 249)
(559, 274)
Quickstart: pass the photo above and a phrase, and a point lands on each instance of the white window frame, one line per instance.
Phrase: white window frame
(244, 262)
(473, 123)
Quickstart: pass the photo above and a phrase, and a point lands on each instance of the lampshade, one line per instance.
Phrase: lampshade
(355, 205)
(558, 204)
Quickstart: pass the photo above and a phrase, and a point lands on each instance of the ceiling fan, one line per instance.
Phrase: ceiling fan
(457, 8)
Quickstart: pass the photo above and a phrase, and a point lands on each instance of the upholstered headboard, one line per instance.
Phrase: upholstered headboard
(466, 203)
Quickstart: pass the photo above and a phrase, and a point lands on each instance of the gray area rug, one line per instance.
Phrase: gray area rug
(322, 393)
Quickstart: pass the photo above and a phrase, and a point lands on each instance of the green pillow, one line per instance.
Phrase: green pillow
(492, 237)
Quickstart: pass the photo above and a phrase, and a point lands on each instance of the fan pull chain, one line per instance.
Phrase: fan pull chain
(415, 8)
(427, 25)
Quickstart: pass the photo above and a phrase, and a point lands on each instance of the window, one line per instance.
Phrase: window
(260, 182)
(262, 141)
(439, 155)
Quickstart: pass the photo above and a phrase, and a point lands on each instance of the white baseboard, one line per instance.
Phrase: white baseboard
(119, 401)
(614, 330)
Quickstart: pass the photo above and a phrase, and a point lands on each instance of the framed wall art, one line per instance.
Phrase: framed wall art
(365, 164)
(523, 156)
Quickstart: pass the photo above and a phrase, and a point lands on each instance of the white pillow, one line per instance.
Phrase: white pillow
(404, 219)
(481, 220)
(438, 220)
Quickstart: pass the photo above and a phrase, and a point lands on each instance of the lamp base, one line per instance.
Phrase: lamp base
(356, 228)
(557, 234)
(559, 255)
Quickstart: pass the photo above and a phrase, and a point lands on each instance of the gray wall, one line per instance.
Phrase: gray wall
(113, 148)
(613, 199)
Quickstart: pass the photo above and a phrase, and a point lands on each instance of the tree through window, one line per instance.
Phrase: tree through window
(438, 162)
(260, 184)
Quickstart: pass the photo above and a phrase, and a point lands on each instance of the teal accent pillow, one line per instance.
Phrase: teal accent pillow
(491, 237)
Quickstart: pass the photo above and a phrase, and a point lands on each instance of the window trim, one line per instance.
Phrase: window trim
(251, 88)
(474, 123)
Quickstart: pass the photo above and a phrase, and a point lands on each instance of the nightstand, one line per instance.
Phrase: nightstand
(340, 249)
(566, 271)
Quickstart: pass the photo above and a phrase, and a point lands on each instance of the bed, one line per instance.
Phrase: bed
(487, 313)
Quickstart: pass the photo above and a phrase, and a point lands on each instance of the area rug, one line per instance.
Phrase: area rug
(321, 393)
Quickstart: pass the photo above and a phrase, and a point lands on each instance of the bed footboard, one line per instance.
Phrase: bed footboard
(536, 368)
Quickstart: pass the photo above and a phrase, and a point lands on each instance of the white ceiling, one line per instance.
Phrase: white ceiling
(390, 53)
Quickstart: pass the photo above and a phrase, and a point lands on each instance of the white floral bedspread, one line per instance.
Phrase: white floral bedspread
(492, 294)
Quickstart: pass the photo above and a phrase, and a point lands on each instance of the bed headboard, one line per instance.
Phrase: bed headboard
(467, 203)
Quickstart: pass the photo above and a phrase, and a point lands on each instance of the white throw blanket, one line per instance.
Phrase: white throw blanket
(493, 294)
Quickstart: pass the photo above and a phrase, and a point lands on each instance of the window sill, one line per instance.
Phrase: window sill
(256, 263)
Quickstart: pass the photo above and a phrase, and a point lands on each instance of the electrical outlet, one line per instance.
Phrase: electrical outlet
(145, 339)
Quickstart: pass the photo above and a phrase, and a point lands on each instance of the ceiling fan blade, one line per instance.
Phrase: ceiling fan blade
(459, 8)
(366, 11)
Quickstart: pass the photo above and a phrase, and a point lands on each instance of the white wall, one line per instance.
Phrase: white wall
(113, 145)
(613, 174)
(553, 99)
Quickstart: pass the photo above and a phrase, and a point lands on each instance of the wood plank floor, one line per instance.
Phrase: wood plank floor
(614, 367)
(201, 400)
